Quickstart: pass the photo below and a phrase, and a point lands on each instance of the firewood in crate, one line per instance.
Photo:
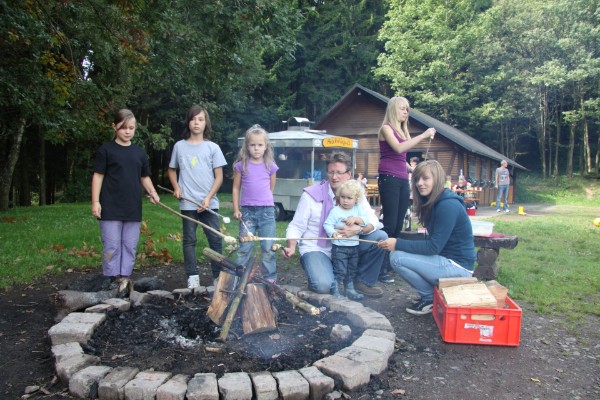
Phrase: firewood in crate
(498, 291)
(257, 313)
(447, 282)
(469, 295)
(221, 297)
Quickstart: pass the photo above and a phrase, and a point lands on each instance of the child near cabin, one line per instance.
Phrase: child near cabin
(200, 162)
(344, 253)
(254, 175)
(121, 170)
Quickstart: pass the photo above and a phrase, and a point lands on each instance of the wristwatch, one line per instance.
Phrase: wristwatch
(361, 231)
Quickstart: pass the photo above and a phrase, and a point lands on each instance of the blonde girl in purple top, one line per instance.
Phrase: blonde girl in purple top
(254, 175)
(394, 190)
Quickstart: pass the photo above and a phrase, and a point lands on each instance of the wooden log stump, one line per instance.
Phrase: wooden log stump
(221, 297)
(257, 313)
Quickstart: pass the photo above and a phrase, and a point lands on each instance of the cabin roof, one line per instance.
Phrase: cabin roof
(449, 132)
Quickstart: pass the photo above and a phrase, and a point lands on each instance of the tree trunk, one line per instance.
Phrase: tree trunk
(557, 143)
(543, 129)
(571, 150)
(7, 170)
(42, 171)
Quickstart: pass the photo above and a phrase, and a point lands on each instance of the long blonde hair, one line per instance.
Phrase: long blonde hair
(391, 116)
(423, 206)
(244, 155)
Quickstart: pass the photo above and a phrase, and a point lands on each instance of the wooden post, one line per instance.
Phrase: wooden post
(235, 302)
(257, 314)
(220, 301)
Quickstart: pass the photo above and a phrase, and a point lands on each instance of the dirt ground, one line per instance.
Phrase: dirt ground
(553, 360)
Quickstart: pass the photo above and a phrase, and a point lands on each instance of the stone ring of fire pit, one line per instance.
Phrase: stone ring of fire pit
(348, 369)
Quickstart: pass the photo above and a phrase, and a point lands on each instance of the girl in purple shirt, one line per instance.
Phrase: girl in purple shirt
(394, 190)
(254, 175)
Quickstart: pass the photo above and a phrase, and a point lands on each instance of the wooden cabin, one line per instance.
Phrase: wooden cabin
(359, 113)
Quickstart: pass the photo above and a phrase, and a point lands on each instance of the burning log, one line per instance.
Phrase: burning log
(221, 298)
(231, 266)
(235, 303)
(257, 314)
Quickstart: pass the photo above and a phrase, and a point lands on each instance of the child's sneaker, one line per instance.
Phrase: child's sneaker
(421, 308)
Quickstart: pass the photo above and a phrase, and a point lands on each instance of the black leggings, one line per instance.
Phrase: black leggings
(395, 199)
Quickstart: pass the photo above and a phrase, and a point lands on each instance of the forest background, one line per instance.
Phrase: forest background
(523, 76)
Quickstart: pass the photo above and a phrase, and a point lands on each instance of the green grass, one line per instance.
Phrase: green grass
(554, 268)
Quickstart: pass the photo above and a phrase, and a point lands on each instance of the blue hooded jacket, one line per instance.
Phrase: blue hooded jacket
(450, 233)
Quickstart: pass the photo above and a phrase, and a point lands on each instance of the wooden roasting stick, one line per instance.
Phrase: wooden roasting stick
(289, 296)
(225, 219)
(228, 239)
(253, 238)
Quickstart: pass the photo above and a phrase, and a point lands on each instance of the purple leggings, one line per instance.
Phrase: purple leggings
(120, 239)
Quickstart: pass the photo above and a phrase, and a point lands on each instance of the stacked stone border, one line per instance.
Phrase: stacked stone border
(348, 369)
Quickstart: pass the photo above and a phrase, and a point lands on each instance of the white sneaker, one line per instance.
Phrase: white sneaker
(193, 281)
(498, 210)
(506, 211)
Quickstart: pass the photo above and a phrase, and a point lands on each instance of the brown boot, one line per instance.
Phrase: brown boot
(369, 291)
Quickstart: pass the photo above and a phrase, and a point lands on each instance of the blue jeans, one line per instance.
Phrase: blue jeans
(319, 269)
(189, 240)
(423, 272)
(502, 189)
(260, 221)
(345, 263)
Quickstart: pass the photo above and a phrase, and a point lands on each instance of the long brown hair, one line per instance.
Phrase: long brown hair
(191, 113)
(423, 206)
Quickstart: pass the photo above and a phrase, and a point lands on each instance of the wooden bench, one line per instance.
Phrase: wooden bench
(489, 248)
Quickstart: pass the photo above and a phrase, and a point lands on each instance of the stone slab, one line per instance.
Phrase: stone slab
(319, 383)
(145, 384)
(203, 387)
(235, 386)
(112, 386)
(174, 389)
(84, 383)
(292, 385)
(351, 374)
(265, 386)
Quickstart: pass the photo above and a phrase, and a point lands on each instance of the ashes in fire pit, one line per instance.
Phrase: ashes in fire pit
(179, 337)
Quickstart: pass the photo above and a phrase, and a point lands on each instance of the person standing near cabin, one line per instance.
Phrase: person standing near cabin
(121, 170)
(502, 184)
(200, 162)
(394, 191)
(254, 173)
(315, 255)
(448, 250)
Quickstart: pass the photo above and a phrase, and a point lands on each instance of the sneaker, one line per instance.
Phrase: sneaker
(193, 281)
(386, 278)
(506, 211)
(369, 291)
(498, 210)
(421, 308)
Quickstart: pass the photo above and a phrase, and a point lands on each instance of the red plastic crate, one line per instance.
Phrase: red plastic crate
(478, 325)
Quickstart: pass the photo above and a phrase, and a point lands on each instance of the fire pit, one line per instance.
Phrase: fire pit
(175, 335)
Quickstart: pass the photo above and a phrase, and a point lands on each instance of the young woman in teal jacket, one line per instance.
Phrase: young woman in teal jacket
(448, 250)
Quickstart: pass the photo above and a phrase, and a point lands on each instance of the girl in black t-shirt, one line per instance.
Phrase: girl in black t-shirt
(121, 169)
